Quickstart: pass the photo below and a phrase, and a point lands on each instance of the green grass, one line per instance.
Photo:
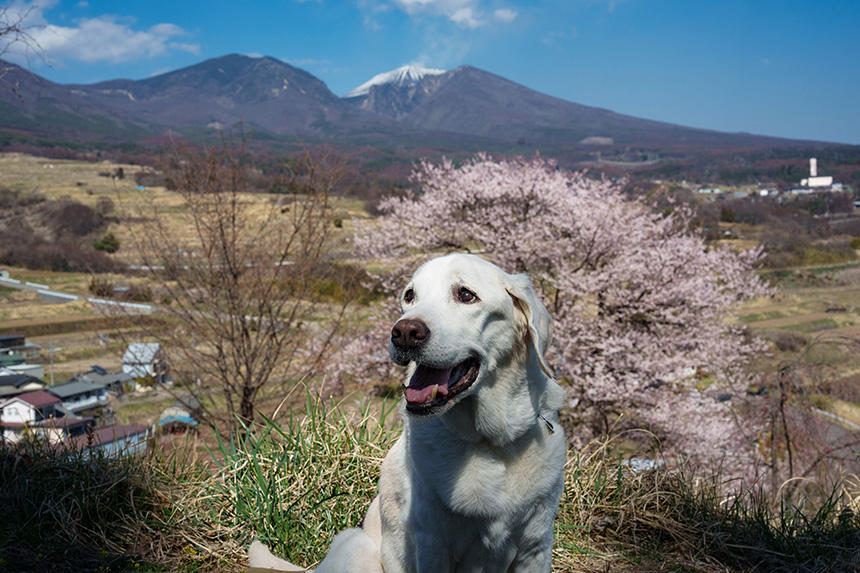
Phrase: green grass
(760, 316)
(296, 482)
(301, 483)
(832, 268)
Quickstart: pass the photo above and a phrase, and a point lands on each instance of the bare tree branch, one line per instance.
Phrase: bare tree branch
(14, 34)
(239, 279)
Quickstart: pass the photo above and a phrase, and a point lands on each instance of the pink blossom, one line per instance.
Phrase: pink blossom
(637, 298)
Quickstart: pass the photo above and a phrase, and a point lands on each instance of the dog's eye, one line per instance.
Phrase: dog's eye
(466, 296)
(409, 295)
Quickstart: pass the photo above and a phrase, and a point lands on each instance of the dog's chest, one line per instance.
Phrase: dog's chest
(476, 479)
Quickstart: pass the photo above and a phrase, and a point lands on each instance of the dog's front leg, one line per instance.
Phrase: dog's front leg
(535, 553)
(538, 561)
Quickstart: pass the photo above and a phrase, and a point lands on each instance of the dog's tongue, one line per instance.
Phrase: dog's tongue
(424, 380)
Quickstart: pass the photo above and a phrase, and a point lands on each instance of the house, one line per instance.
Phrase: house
(25, 410)
(80, 396)
(42, 414)
(13, 383)
(58, 430)
(145, 360)
(15, 361)
(18, 343)
(113, 441)
(113, 382)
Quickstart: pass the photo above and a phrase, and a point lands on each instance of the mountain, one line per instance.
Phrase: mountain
(263, 93)
(32, 105)
(394, 94)
(471, 101)
(415, 109)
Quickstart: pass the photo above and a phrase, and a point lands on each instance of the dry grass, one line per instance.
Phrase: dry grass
(296, 483)
(80, 181)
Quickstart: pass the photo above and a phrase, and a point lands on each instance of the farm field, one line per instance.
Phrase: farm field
(817, 303)
(87, 183)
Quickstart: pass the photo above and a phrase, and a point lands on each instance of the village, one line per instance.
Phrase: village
(810, 185)
(80, 413)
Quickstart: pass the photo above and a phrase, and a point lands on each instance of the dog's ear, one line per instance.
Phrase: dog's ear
(539, 322)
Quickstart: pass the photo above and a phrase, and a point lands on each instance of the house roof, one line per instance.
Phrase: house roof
(38, 398)
(103, 379)
(18, 380)
(64, 422)
(11, 339)
(107, 435)
(140, 352)
(73, 388)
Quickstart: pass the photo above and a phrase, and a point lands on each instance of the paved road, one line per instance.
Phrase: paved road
(56, 297)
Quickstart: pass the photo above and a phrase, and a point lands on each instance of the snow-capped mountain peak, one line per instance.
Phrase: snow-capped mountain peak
(403, 76)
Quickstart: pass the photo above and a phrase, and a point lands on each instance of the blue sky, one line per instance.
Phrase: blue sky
(786, 68)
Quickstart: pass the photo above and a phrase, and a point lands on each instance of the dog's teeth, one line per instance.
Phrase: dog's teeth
(434, 391)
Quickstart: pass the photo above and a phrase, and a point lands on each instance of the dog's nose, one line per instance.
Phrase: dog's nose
(409, 333)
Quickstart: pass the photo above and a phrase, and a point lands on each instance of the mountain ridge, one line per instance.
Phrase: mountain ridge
(463, 107)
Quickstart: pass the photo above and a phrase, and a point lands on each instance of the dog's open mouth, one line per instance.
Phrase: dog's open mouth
(430, 387)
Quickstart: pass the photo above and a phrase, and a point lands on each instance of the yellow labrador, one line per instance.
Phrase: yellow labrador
(473, 483)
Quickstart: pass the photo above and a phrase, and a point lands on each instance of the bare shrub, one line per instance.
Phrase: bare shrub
(788, 341)
(67, 217)
(101, 286)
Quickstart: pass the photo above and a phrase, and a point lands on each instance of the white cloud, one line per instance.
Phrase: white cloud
(444, 51)
(371, 24)
(414, 5)
(464, 13)
(185, 47)
(505, 15)
(102, 39)
(370, 9)
(465, 17)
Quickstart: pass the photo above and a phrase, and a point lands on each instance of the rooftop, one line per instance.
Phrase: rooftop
(107, 435)
(73, 388)
(64, 422)
(140, 352)
(38, 398)
(103, 379)
(18, 380)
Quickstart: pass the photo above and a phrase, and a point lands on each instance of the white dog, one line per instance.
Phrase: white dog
(474, 482)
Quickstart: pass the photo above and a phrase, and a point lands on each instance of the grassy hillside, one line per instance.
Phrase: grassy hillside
(299, 480)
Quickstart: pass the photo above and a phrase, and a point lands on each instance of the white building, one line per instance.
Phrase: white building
(145, 360)
(816, 181)
(23, 411)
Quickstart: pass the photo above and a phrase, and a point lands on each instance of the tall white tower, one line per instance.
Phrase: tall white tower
(813, 167)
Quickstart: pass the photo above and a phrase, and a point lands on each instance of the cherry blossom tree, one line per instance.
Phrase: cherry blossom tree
(641, 303)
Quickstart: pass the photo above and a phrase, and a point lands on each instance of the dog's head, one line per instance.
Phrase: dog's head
(464, 317)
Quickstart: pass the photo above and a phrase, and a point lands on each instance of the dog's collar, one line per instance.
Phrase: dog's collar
(549, 427)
